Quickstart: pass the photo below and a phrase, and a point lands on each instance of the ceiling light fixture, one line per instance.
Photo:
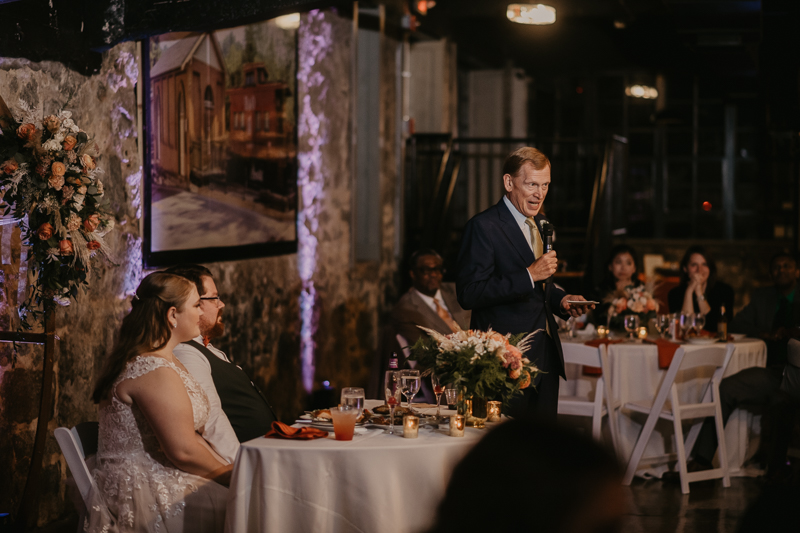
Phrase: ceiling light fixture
(539, 14)
(642, 91)
(288, 22)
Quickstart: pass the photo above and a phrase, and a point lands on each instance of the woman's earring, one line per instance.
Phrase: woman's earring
(174, 325)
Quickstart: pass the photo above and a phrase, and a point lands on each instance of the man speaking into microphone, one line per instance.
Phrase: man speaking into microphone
(505, 276)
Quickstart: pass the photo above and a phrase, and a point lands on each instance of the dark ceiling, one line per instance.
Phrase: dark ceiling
(709, 36)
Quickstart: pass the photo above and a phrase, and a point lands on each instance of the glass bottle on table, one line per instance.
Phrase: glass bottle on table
(722, 325)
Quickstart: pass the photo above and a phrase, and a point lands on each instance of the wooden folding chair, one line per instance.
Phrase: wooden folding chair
(602, 402)
(667, 405)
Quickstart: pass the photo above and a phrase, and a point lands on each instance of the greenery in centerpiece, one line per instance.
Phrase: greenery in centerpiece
(485, 364)
(50, 185)
(631, 301)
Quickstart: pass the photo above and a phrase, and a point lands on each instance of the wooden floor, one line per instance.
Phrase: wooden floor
(659, 507)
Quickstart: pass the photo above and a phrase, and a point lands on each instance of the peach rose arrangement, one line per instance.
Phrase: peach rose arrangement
(632, 301)
(483, 363)
(50, 183)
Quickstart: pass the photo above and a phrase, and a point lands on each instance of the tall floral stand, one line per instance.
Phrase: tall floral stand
(28, 511)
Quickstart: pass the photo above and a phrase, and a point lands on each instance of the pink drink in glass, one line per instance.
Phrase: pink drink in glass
(344, 422)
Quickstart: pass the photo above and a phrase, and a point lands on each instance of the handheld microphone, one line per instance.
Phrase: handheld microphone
(547, 235)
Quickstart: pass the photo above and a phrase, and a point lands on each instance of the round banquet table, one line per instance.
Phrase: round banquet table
(374, 483)
(635, 376)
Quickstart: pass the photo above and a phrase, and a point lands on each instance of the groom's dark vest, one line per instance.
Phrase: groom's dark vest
(247, 409)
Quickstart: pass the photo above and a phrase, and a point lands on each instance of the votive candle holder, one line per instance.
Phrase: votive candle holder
(642, 333)
(457, 423)
(493, 410)
(602, 332)
(410, 427)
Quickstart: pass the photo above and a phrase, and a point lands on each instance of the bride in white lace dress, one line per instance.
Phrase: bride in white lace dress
(154, 470)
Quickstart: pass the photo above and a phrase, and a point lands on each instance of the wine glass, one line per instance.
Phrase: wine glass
(409, 383)
(438, 389)
(393, 390)
(662, 325)
(686, 323)
(353, 397)
(699, 322)
(631, 323)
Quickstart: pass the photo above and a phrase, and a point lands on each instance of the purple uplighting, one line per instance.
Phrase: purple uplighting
(315, 42)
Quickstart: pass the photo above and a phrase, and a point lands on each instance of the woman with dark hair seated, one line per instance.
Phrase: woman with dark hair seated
(700, 292)
(622, 271)
(154, 470)
(530, 476)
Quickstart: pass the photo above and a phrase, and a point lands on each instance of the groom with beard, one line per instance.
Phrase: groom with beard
(239, 411)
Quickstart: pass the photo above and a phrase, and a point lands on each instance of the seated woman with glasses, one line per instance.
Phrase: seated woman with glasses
(154, 470)
(700, 292)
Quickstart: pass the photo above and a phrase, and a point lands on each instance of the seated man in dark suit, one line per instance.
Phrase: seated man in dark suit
(239, 412)
(429, 302)
(773, 314)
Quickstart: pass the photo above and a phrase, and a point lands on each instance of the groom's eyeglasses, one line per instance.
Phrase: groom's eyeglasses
(218, 301)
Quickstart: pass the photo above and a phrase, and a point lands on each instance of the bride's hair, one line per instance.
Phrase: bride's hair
(146, 328)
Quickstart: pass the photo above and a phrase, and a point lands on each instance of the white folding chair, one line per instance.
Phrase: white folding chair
(76, 444)
(667, 405)
(602, 402)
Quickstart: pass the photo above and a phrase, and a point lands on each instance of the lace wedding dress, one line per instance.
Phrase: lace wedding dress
(138, 488)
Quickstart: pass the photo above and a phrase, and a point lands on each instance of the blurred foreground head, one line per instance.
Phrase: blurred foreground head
(532, 475)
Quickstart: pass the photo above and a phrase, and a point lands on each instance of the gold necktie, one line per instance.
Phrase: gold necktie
(445, 315)
(536, 238)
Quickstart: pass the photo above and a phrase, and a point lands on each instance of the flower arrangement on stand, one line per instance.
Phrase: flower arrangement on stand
(50, 183)
(484, 364)
(632, 301)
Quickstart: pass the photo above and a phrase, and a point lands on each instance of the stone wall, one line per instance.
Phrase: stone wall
(261, 295)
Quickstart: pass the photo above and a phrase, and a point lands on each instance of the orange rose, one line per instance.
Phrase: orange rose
(52, 123)
(66, 247)
(56, 182)
(69, 142)
(26, 131)
(45, 231)
(91, 223)
(58, 168)
(93, 245)
(10, 166)
(88, 162)
(526, 381)
(514, 374)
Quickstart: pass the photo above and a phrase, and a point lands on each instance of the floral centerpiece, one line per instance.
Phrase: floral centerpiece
(50, 183)
(485, 364)
(631, 301)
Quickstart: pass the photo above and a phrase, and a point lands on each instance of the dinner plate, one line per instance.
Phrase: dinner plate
(737, 336)
(701, 340)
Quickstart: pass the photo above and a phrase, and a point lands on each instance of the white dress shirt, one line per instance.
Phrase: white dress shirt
(218, 430)
(429, 301)
(521, 219)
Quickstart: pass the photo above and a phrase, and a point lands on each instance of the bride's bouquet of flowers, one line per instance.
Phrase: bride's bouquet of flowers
(632, 301)
(50, 185)
(483, 363)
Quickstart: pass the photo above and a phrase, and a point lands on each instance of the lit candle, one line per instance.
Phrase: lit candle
(643, 332)
(457, 423)
(410, 427)
(602, 332)
(494, 411)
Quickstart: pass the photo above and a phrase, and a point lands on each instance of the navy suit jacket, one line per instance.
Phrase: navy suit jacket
(494, 283)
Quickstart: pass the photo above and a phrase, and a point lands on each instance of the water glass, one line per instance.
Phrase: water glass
(353, 397)
(631, 323)
(409, 382)
(686, 322)
(451, 397)
(662, 325)
(344, 422)
(699, 322)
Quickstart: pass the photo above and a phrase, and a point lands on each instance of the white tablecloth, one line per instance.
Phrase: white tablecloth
(375, 483)
(636, 377)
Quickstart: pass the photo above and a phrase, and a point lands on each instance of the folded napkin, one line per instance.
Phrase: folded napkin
(596, 370)
(284, 431)
(666, 351)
